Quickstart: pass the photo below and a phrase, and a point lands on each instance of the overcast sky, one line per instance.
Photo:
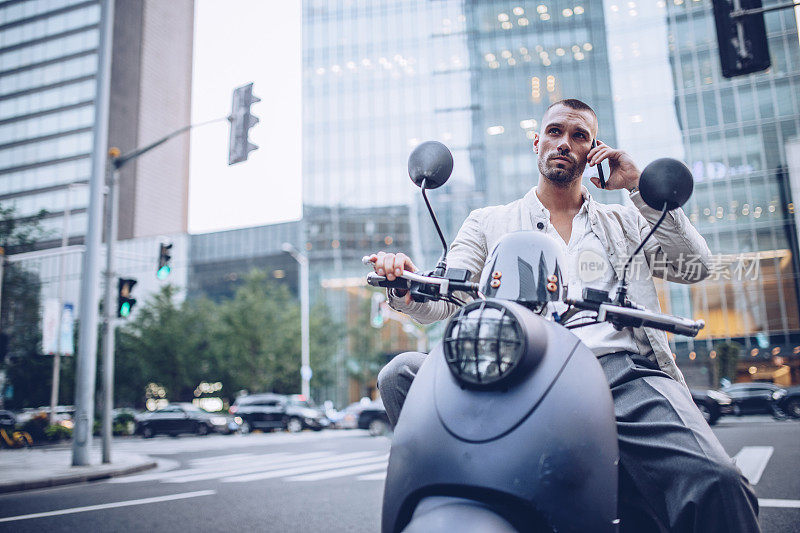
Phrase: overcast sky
(237, 42)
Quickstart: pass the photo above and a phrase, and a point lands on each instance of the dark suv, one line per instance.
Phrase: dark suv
(269, 411)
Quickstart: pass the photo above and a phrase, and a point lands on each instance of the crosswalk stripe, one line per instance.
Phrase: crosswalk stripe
(379, 476)
(752, 460)
(340, 472)
(222, 465)
(303, 469)
(254, 467)
(233, 457)
(767, 502)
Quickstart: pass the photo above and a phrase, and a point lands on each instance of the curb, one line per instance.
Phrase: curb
(69, 479)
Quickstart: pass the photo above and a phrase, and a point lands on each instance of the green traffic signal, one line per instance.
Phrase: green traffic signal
(164, 257)
(124, 301)
(163, 272)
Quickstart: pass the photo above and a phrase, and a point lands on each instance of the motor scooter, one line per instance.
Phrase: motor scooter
(509, 424)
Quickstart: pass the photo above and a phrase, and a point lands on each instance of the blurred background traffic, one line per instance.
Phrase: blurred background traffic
(214, 228)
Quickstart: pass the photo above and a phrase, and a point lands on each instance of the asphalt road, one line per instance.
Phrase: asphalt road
(328, 481)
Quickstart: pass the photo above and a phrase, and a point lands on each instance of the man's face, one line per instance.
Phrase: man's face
(563, 143)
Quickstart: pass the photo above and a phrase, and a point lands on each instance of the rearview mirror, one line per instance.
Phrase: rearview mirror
(667, 181)
(430, 165)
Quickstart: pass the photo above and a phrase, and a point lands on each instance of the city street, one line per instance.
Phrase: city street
(327, 481)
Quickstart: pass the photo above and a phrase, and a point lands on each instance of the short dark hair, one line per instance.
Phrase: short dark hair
(573, 103)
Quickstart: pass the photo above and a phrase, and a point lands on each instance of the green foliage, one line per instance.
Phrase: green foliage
(251, 341)
(728, 354)
(20, 315)
(367, 348)
(55, 433)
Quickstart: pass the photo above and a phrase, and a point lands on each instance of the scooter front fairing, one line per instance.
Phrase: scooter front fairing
(541, 451)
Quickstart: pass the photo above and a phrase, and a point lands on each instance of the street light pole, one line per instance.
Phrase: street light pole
(87, 351)
(305, 358)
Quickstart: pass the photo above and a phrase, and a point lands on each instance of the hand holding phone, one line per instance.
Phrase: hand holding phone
(600, 174)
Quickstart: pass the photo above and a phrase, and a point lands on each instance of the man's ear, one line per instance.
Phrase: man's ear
(536, 142)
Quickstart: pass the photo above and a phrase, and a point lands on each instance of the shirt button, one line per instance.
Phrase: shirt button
(540, 225)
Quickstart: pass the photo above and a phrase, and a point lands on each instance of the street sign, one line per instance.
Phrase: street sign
(50, 318)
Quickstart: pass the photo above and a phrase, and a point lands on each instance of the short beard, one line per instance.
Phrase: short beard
(560, 177)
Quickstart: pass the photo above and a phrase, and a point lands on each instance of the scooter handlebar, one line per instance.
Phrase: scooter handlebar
(381, 281)
(644, 318)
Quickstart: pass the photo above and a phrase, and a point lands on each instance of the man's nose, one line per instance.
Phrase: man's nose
(563, 146)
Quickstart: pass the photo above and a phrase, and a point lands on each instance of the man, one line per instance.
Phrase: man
(670, 461)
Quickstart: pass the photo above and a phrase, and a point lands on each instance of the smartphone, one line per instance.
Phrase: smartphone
(599, 168)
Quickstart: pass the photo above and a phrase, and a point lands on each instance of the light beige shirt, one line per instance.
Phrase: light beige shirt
(676, 252)
(587, 265)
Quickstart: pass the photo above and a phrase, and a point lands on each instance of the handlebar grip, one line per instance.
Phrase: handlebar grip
(688, 328)
(381, 281)
(644, 318)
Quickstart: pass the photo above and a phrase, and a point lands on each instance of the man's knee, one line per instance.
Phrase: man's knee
(724, 482)
(400, 371)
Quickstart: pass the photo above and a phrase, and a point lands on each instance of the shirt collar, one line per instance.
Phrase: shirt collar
(536, 206)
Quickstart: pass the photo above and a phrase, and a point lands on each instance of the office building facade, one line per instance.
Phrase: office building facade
(380, 77)
(48, 70)
(48, 67)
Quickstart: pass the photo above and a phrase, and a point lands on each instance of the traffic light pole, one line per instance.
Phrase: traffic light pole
(108, 309)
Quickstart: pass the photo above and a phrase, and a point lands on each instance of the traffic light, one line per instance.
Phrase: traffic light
(164, 257)
(241, 120)
(742, 40)
(375, 312)
(124, 301)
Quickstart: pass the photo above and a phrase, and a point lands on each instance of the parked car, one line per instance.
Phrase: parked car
(179, 418)
(713, 404)
(373, 418)
(347, 418)
(63, 417)
(270, 411)
(763, 398)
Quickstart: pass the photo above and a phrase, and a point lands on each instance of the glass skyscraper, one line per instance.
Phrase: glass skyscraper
(381, 77)
(48, 66)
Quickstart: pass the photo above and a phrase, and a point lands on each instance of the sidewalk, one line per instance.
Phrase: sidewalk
(27, 469)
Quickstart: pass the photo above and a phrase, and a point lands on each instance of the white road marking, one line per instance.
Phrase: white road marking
(380, 476)
(752, 460)
(280, 462)
(380, 464)
(336, 462)
(767, 502)
(113, 505)
(222, 464)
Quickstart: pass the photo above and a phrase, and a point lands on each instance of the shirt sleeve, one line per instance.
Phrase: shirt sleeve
(676, 251)
(468, 250)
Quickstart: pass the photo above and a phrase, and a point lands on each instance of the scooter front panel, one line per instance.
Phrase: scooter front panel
(559, 459)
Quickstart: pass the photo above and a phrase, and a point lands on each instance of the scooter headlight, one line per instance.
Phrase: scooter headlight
(483, 344)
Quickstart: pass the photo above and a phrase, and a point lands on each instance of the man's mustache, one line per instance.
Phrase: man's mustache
(563, 156)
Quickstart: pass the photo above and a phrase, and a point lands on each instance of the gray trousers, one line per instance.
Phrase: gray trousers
(670, 461)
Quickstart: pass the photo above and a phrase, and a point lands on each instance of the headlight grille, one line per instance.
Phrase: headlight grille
(483, 343)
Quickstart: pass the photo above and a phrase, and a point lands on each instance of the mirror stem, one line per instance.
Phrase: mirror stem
(623, 286)
(442, 265)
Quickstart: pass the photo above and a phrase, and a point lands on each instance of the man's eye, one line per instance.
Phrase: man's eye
(553, 130)
(580, 135)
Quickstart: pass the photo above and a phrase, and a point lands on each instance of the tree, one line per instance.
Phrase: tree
(28, 375)
(367, 349)
(248, 342)
(727, 360)
(167, 344)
